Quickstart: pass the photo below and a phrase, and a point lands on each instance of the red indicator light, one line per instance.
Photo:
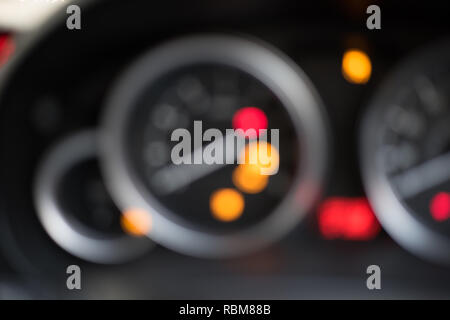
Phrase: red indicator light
(440, 206)
(348, 219)
(6, 48)
(250, 118)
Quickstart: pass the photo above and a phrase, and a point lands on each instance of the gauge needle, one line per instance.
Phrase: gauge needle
(174, 177)
(424, 176)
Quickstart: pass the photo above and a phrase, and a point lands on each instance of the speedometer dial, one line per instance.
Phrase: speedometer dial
(406, 153)
(199, 92)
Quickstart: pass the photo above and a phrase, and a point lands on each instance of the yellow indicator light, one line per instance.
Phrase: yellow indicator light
(247, 178)
(356, 66)
(136, 222)
(226, 204)
(263, 156)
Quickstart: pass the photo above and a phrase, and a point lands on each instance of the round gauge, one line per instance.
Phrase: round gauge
(179, 131)
(75, 208)
(406, 153)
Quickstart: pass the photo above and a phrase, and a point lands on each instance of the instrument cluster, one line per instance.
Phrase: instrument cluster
(124, 149)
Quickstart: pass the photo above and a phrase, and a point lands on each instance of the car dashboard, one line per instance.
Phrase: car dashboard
(86, 117)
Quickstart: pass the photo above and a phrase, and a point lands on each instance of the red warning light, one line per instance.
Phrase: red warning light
(348, 219)
(6, 48)
(250, 118)
(440, 206)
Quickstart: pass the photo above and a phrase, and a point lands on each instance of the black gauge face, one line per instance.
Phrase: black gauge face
(83, 197)
(211, 95)
(406, 154)
(74, 207)
(416, 148)
(172, 144)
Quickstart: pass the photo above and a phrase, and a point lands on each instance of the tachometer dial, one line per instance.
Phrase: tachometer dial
(406, 153)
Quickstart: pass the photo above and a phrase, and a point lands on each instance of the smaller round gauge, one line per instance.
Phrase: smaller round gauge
(75, 208)
(406, 154)
(171, 144)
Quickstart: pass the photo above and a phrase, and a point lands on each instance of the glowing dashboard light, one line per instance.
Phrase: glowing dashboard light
(250, 118)
(226, 204)
(440, 206)
(348, 219)
(6, 48)
(356, 66)
(247, 178)
(136, 222)
(262, 155)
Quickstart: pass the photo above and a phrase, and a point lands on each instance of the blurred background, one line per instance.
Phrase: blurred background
(86, 118)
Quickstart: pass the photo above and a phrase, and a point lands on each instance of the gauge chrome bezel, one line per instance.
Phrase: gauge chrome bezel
(393, 214)
(274, 70)
(74, 237)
